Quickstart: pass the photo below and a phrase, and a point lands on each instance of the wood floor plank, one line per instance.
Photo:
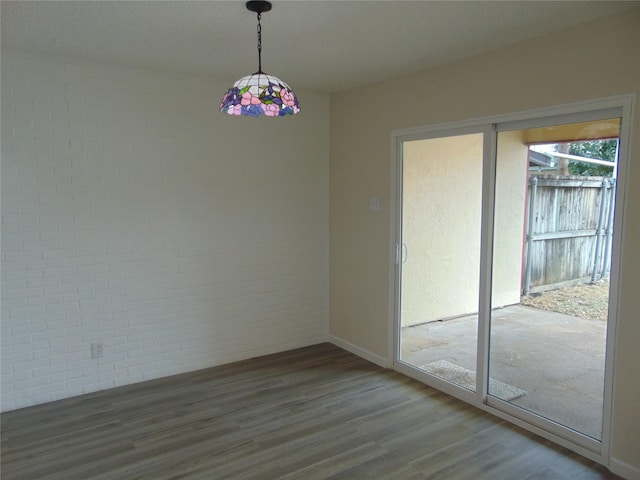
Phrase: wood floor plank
(316, 412)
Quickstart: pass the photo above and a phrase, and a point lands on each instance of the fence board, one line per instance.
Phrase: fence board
(568, 231)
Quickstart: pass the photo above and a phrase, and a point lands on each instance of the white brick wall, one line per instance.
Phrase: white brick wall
(137, 215)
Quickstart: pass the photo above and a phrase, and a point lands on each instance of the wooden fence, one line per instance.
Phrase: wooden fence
(569, 227)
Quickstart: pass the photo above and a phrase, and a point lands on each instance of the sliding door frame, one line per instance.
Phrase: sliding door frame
(464, 128)
(619, 106)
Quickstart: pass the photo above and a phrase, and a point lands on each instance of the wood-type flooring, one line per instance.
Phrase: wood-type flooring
(313, 413)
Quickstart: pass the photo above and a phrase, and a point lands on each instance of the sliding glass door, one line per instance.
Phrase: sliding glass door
(553, 230)
(441, 218)
(506, 241)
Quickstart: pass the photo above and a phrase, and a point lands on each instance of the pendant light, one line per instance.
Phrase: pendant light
(260, 94)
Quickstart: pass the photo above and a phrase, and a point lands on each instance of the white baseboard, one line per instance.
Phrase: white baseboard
(624, 469)
(359, 351)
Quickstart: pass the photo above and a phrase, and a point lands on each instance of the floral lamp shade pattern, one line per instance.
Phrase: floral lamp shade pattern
(260, 94)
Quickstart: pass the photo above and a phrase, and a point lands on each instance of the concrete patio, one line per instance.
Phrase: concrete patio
(557, 359)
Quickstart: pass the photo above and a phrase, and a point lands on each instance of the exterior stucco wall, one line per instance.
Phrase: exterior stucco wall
(442, 204)
(511, 191)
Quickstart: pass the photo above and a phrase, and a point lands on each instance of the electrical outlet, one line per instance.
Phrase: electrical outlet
(97, 350)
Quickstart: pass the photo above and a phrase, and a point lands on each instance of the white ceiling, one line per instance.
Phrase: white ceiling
(320, 45)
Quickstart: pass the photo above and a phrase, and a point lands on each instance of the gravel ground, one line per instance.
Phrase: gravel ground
(589, 300)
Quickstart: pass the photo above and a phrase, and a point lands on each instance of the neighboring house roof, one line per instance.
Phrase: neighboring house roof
(541, 160)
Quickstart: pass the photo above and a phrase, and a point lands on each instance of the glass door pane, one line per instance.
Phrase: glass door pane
(441, 220)
(553, 219)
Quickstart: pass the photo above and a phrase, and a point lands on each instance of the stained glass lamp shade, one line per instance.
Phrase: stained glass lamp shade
(260, 94)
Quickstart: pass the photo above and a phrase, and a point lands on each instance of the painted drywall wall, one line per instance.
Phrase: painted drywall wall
(503, 81)
(136, 215)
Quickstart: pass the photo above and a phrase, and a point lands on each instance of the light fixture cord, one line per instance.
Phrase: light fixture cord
(259, 44)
